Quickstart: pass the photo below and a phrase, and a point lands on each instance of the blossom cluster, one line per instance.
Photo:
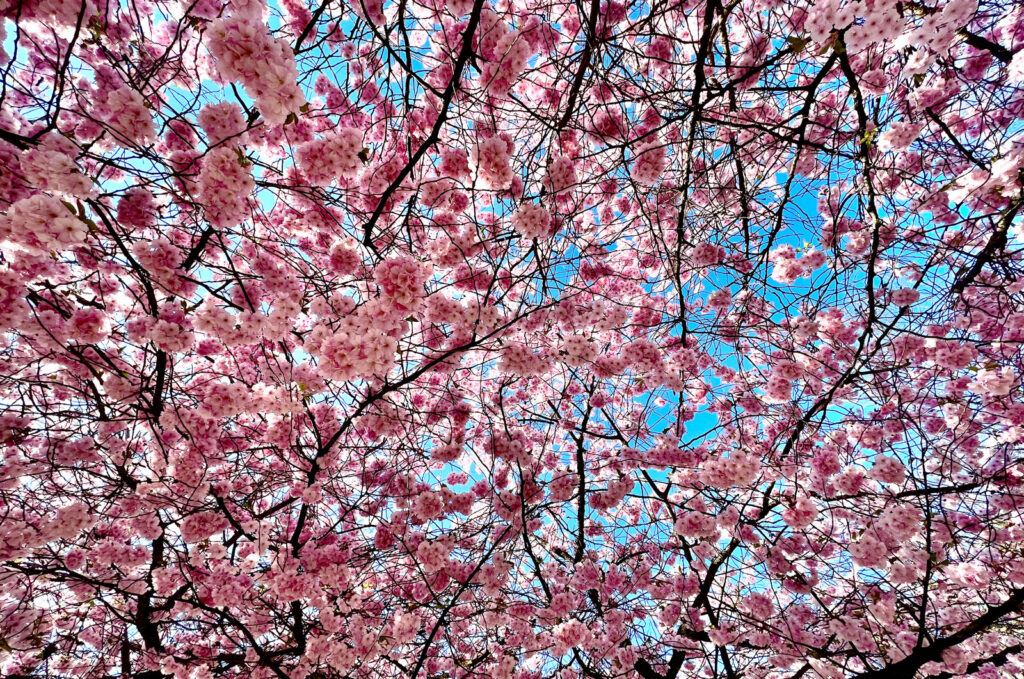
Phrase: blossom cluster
(245, 52)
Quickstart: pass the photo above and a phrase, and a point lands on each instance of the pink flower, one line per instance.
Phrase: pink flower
(222, 121)
(888, 470)
(869, 552)
(531, 220)
(339, 157)
(491, 157)
(71, 520)
(649, 163)
(126, 112)
(705, 254)
(43, 223)
(560, 176)
(402, 280)
(225, 183)
(904, 296)
(245, 52)
(802, 514)
(994, 382)
(89, 325)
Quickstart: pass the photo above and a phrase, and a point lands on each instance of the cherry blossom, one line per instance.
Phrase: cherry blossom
(450, 339)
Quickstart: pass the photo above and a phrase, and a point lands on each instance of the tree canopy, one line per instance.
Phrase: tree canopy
(511, 339)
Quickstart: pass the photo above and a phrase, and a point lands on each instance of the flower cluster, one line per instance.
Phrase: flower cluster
(649, 163)
(518, 359)
(334, 158)
(358, 348)
(706, 254)
(493, 164)
(506, 53)
(887, 470)
(899, 522)
(51, 167)
(41, 223)
(225, 183)
(560, 176)
(246, 53)
(735, 469)
(221, 122)
(788, 267)
(126, 112)
(136, 208)
(401, 280)
(532, 220)
(801, 514)
(869, 552)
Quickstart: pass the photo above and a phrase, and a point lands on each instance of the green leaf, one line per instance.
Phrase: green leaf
(798, 43)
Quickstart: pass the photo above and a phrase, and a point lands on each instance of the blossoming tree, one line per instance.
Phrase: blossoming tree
(443, 339)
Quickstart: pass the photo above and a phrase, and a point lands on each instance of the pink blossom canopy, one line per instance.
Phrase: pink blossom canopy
(511, 339)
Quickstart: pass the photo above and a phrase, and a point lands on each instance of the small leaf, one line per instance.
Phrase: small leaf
(798, 43)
